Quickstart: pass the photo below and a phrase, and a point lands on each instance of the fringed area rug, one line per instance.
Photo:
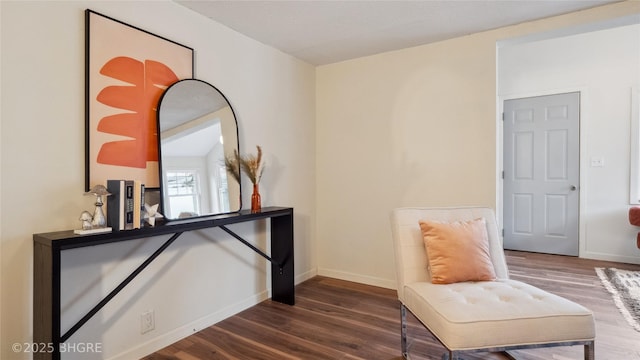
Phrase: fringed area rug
(624, 286)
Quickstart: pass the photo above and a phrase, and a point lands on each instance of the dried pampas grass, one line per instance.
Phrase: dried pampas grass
(250, 164)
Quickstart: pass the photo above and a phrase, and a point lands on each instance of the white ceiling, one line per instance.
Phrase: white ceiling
(323, 32)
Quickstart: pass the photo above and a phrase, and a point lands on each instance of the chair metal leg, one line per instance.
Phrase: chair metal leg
(450, 355)
(590, 351)
(403, 331)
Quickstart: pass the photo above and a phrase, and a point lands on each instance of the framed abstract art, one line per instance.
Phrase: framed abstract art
(127, 70)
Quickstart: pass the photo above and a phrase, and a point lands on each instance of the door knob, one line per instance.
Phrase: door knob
(573, 188)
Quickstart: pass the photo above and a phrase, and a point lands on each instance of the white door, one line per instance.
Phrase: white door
(541, 173)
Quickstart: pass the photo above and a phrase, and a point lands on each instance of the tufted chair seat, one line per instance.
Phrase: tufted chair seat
(495, 315)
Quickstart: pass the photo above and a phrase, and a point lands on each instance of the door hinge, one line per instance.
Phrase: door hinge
(502, 116)
(502, 232)
(503, 174)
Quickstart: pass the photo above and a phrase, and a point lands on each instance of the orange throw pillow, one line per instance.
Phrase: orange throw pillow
(457, 251)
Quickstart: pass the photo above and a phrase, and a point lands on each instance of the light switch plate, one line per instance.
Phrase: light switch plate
(597, 161)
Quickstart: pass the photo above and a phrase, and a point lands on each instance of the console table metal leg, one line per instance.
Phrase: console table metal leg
(282, 277)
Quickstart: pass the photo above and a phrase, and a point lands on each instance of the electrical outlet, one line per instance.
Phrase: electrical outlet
(147, 321)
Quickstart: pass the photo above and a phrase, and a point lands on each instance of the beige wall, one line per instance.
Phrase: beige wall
(205, 276)
(399, 129)
(414, 127)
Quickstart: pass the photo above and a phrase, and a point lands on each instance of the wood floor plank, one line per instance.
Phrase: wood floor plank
(336, 319)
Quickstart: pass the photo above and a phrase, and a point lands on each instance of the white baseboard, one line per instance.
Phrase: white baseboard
(363, 279)
(173, 336)
(610, 257)
(306, 276)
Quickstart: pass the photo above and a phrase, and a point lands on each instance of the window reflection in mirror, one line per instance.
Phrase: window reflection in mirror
(197, 129)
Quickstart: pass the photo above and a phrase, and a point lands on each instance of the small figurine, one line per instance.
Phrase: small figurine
(86, 219)
(151, 214)
(98, 219)
(96, 223)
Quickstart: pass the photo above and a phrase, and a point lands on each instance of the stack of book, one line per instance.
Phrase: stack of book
(125, 205)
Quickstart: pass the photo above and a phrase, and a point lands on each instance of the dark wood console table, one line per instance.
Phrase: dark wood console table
(47, 248)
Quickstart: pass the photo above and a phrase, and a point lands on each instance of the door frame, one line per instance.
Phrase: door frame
(582, 198)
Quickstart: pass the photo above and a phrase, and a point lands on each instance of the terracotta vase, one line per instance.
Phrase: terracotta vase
(256, 203)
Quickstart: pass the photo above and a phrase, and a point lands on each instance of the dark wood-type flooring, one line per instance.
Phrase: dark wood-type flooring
(336, 319)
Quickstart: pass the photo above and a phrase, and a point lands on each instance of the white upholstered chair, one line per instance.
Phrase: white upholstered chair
(498, 315)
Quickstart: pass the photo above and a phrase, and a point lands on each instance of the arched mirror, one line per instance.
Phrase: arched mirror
(197, 128)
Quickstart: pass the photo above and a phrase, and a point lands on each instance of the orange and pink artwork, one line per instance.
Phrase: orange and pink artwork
(128, 69)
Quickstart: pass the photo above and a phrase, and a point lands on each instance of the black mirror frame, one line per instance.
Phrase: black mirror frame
(161, 207)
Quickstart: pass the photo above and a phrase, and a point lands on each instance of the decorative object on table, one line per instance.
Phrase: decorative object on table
(256, 201)
(86, 218)
(96, 223)
(98, 220)
(253, 167)
(151, 214)
(116, 204)
(128, 69)
(624, 287)
(87, 228)
(186, 106)
(125, 206)
(138, 204)
(92, 231)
